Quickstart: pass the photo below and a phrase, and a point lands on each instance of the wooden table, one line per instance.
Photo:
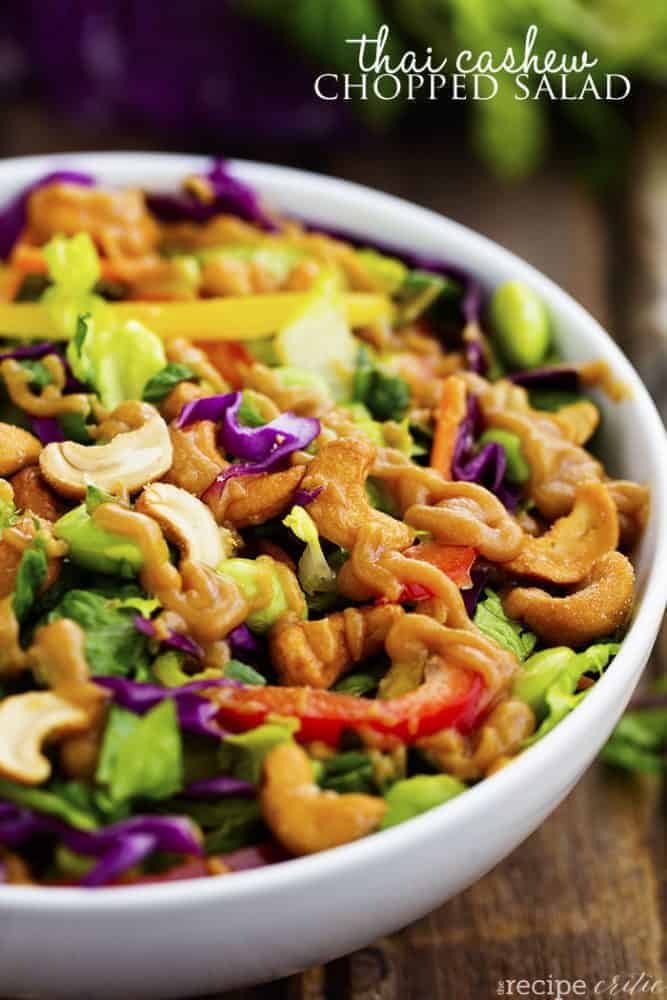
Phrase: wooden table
(585, 897)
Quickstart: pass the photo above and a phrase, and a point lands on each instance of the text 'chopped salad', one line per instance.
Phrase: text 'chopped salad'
(300, 537)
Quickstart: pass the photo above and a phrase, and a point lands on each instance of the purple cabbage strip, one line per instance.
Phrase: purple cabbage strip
(13, 216)
(242, 641)
(37, 350)
(303, 497)
(230, 196)
(175, 640)
(563, 377)
(47, 429)
(218, 788)
(209, 408)
(262, 448)
(118, 847)
(195, 714)
(486, 467)
(471, 596)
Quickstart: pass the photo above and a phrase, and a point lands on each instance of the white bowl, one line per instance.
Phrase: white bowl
(201, 936)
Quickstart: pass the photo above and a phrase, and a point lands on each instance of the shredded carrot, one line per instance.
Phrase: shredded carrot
(451, 411)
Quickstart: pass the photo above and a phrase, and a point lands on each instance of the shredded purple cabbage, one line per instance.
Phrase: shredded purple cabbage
(175, 640)
(479, 576)
(303, 497)
(13, 216)
(37, 350)
(118, 847)
(563, 377)
(262, 449)
(219, 788)
(195, 714)
(486, 467)
(242, 641)
(230, 196)
(47, 429)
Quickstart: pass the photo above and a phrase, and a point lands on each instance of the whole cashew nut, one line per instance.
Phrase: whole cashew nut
(128, 462)
(469, 514)
(599, 606)
(26, 722)
(304, 818)
(567, 551)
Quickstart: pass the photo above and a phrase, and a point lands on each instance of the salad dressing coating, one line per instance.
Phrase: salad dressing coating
(302, 540)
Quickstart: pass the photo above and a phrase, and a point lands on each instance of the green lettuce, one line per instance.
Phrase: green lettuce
(30, 578)
(160, 385)
(315, 574)
(490, 618)
(113, 644)
(561, 696)
(55, 800)
(141, 756)
(243, 755)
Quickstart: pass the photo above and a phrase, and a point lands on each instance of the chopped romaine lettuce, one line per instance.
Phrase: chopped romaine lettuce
(315, 574)
(141, 756)
(490, 618)
(319, 339)
(113, 645)
(243, 755)
(562, 695)
(30, 577)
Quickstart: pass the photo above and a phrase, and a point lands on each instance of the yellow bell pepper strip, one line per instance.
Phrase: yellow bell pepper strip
(246, 317)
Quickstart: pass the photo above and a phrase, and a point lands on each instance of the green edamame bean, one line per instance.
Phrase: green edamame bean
(520, 323)
(413, 796)
(246, 574)
(518, 470)
(538, 673)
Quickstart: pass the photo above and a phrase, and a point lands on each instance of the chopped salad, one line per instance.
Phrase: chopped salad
(301, 536)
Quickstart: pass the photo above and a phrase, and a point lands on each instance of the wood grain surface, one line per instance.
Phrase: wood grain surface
(586, 896)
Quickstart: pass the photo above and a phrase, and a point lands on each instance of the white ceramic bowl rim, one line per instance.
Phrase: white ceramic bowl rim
(480, 802)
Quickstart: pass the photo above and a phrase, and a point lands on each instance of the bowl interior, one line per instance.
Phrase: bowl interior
(632, 444)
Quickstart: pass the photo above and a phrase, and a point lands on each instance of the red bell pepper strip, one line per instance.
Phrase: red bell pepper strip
(454, 560)
(448, 698)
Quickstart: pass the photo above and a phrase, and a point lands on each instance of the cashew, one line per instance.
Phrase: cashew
(632, 502)
(304, 818)
(182, 393)
(577, 421)
(557, 464)
(196, 459)
(187, 353)
(247, 500)
(567, 551)
(31, 493)
(26, 722)
(500, 736)
(127, 463)
(417, 645)
(597, 608)
(468, 514)
(118, 221)
(316, 653)
(18, 448)
(186, 521)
